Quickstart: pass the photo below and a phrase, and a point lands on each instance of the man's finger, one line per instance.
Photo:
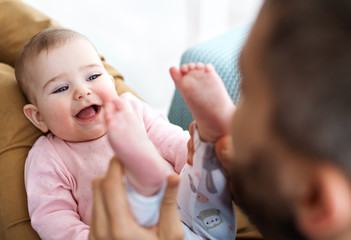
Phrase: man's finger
(99, 226)
(190, 144)
(115, 198)
(120, 221)
(169, 198)
(169, 223)
(115, 170)
(224, 150)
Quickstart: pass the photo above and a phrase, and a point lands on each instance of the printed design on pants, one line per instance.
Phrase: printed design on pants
(210, 218)
(210, 165)
(204, 198)
(231, 229)
(192, 185)
(200, 197)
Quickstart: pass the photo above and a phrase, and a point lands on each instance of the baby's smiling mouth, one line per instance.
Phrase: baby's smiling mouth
(88, 112)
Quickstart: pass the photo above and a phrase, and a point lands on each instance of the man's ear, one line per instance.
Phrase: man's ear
(325, 209)
(32, 113)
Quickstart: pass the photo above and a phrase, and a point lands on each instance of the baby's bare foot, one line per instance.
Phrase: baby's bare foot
(207, 98)
(144, 167)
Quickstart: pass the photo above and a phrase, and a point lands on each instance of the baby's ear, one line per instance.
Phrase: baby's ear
(32, 113)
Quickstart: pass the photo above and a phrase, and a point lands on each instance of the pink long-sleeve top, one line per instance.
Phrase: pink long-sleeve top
(59, 174)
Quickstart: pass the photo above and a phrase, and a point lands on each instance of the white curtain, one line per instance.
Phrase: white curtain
(208, 18)
(143, 38)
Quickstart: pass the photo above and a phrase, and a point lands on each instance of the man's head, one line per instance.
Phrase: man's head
(291, 134)
(66, 84)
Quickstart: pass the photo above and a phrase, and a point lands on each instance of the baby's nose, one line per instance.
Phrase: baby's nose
(82, 92)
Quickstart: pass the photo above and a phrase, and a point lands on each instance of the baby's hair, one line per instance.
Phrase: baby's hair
(43, 41)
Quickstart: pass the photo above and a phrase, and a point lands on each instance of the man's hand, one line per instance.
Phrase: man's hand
(223, 147)
(224, 151)
(113, 219)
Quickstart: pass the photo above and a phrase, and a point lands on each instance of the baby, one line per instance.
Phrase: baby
(73, 100)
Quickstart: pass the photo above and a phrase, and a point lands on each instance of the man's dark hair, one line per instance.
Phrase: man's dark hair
(307, 59)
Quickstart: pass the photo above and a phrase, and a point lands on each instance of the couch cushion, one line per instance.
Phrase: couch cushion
(18, 22)
(15, 15)
(17, 137)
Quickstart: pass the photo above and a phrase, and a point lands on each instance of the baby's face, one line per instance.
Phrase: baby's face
(71, 87)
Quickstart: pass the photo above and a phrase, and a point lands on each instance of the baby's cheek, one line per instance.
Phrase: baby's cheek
(61, 114)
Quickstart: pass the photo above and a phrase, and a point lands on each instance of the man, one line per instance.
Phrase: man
(291, 171)
(292, 166)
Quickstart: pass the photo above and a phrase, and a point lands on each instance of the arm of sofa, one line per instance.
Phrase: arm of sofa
(223, 52)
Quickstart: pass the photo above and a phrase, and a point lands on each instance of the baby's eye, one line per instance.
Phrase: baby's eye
(61, 89)
(92, 77)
